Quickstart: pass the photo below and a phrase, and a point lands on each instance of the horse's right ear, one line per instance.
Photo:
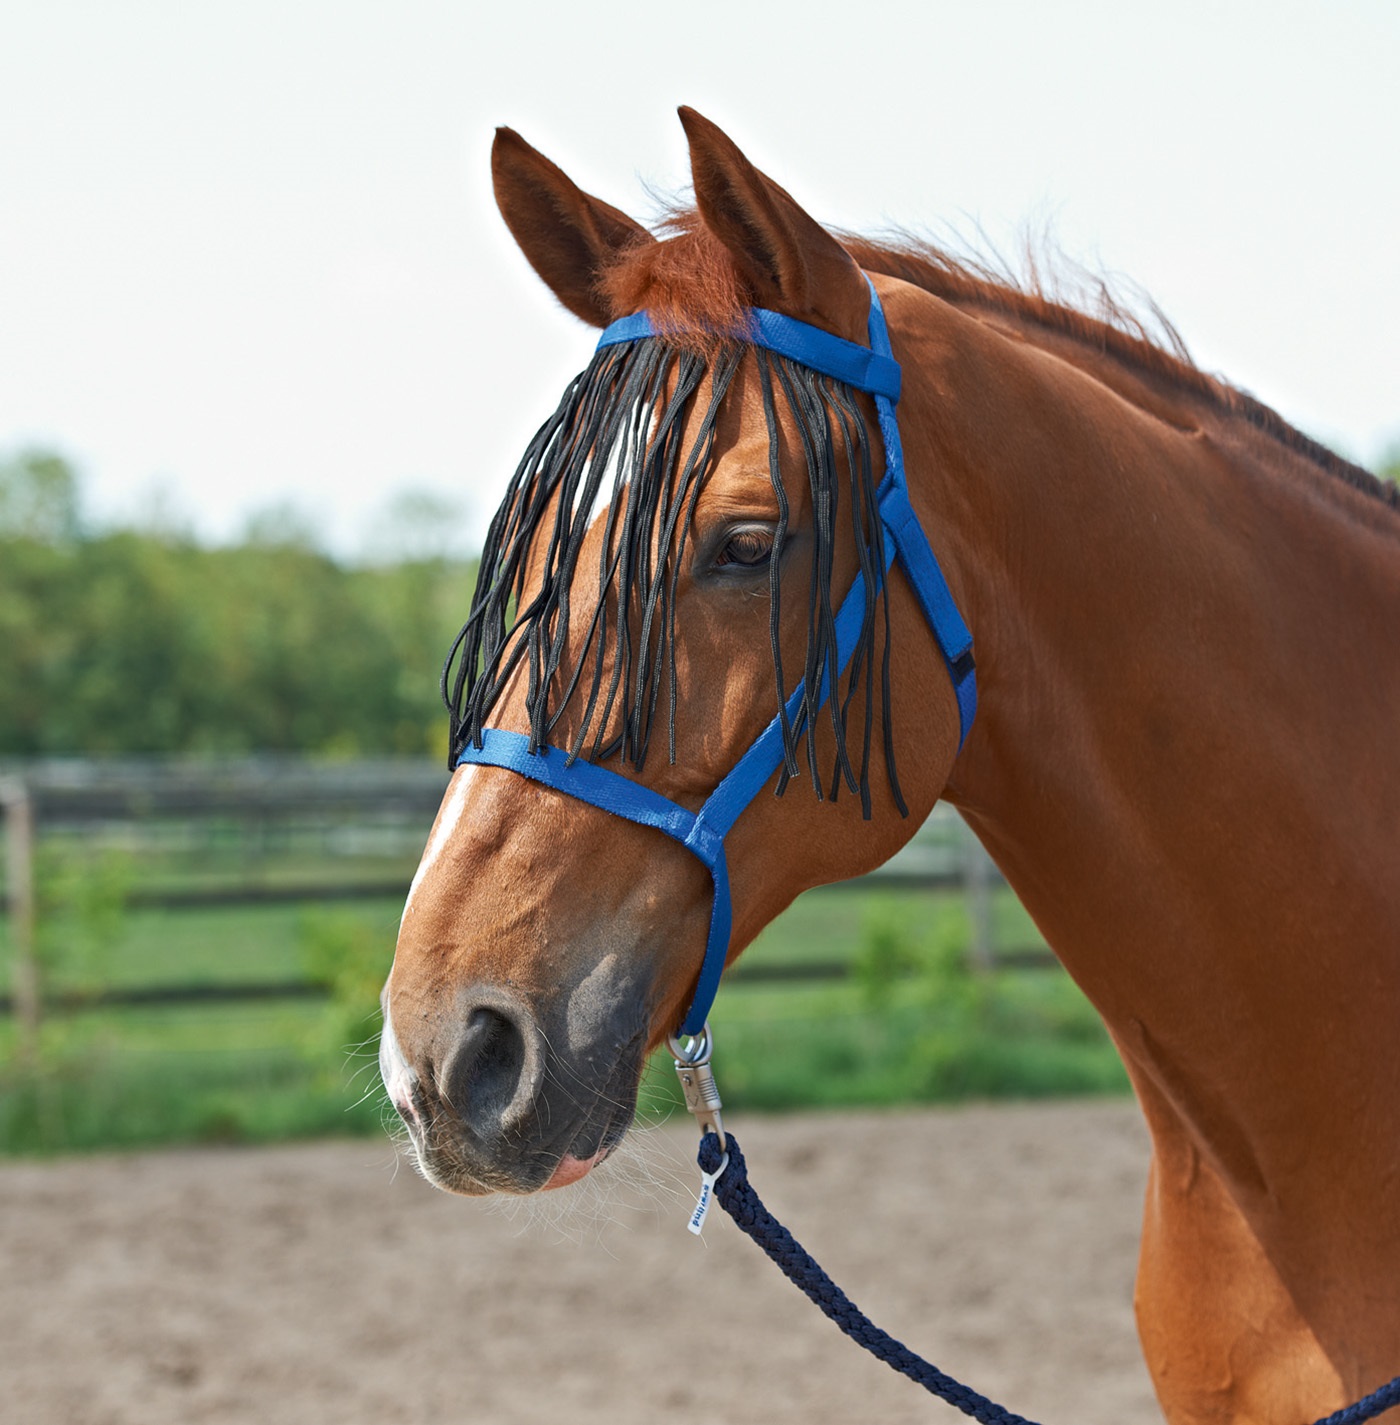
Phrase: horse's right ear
(569, 236)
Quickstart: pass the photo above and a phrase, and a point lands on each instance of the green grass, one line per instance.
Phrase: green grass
(825, 926)
(240, 1073)
(225, 946)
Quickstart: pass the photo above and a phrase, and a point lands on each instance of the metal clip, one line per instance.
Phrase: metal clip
(692, 1055)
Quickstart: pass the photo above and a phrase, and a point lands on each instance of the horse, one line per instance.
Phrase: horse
(1183, 758)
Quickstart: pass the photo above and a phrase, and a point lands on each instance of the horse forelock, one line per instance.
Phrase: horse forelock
(689, 285)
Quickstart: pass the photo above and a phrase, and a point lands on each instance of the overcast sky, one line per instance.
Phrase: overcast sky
(248, 252)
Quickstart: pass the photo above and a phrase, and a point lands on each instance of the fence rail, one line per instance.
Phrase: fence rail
(83, 792)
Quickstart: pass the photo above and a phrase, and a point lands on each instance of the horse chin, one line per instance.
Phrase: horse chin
(448, 1176)
(446, 1172)
(443, 1159)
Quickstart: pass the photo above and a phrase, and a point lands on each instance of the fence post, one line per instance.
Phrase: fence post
(977, 876)
(19, 901)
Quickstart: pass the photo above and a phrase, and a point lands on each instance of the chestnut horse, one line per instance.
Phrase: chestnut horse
(1185, 760)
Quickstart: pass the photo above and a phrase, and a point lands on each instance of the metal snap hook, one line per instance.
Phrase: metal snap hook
(692, 1054)
(692, 1057)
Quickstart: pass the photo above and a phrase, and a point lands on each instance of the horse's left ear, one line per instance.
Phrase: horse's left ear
(790, 261)
(569, 236)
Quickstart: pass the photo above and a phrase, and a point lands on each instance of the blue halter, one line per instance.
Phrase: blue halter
(872, 369)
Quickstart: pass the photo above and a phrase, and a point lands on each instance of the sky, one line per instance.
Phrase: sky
(249, 257)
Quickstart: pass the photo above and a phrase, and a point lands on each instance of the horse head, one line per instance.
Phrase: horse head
(661, 582)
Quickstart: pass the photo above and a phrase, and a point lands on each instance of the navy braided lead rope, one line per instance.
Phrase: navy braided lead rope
(744, 1205)
(1368, 1406)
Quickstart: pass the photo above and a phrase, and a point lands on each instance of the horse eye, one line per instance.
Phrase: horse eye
(746, 549)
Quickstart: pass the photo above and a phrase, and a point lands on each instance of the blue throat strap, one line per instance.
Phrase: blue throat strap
(872, 369)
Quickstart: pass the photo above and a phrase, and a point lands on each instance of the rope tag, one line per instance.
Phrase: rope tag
(707, 1196)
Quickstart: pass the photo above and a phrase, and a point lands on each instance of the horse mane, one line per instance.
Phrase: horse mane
(690, 284)
(1152, 346)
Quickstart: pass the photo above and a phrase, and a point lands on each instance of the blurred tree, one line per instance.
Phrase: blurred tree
(283, 524)
(418, 606)
(39, 498)
(416, 527)
(37, 582)
(118, 676)
(142, 640)
(301, 664)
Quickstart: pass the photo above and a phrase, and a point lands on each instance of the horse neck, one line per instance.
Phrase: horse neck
(1184, 759)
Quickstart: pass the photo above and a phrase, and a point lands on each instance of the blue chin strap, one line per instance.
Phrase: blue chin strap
(872, 369)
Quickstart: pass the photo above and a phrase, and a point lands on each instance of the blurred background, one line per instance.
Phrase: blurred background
(267, 357)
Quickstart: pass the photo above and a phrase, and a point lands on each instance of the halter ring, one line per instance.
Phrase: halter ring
(692, 1050)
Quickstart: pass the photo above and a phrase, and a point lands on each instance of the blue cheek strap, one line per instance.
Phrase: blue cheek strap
(872, 369)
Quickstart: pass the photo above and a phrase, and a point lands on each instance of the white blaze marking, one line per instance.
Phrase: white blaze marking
(447, 821)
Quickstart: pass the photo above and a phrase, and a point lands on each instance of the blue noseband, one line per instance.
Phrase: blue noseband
(872, 369)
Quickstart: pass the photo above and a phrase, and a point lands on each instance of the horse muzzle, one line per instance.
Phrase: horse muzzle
(498, 1102)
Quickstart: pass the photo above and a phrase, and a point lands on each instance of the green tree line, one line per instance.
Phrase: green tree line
(138, 640)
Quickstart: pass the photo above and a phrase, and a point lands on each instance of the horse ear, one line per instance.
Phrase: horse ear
(790, 261)
(568, 235)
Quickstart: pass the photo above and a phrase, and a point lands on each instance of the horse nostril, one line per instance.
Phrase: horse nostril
(490, 1070)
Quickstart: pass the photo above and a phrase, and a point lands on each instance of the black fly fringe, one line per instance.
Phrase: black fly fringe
(614, 458)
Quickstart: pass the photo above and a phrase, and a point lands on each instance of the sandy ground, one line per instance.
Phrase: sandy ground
(316, 1283)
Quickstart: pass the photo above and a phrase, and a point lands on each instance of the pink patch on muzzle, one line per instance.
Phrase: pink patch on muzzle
(571, 1169)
